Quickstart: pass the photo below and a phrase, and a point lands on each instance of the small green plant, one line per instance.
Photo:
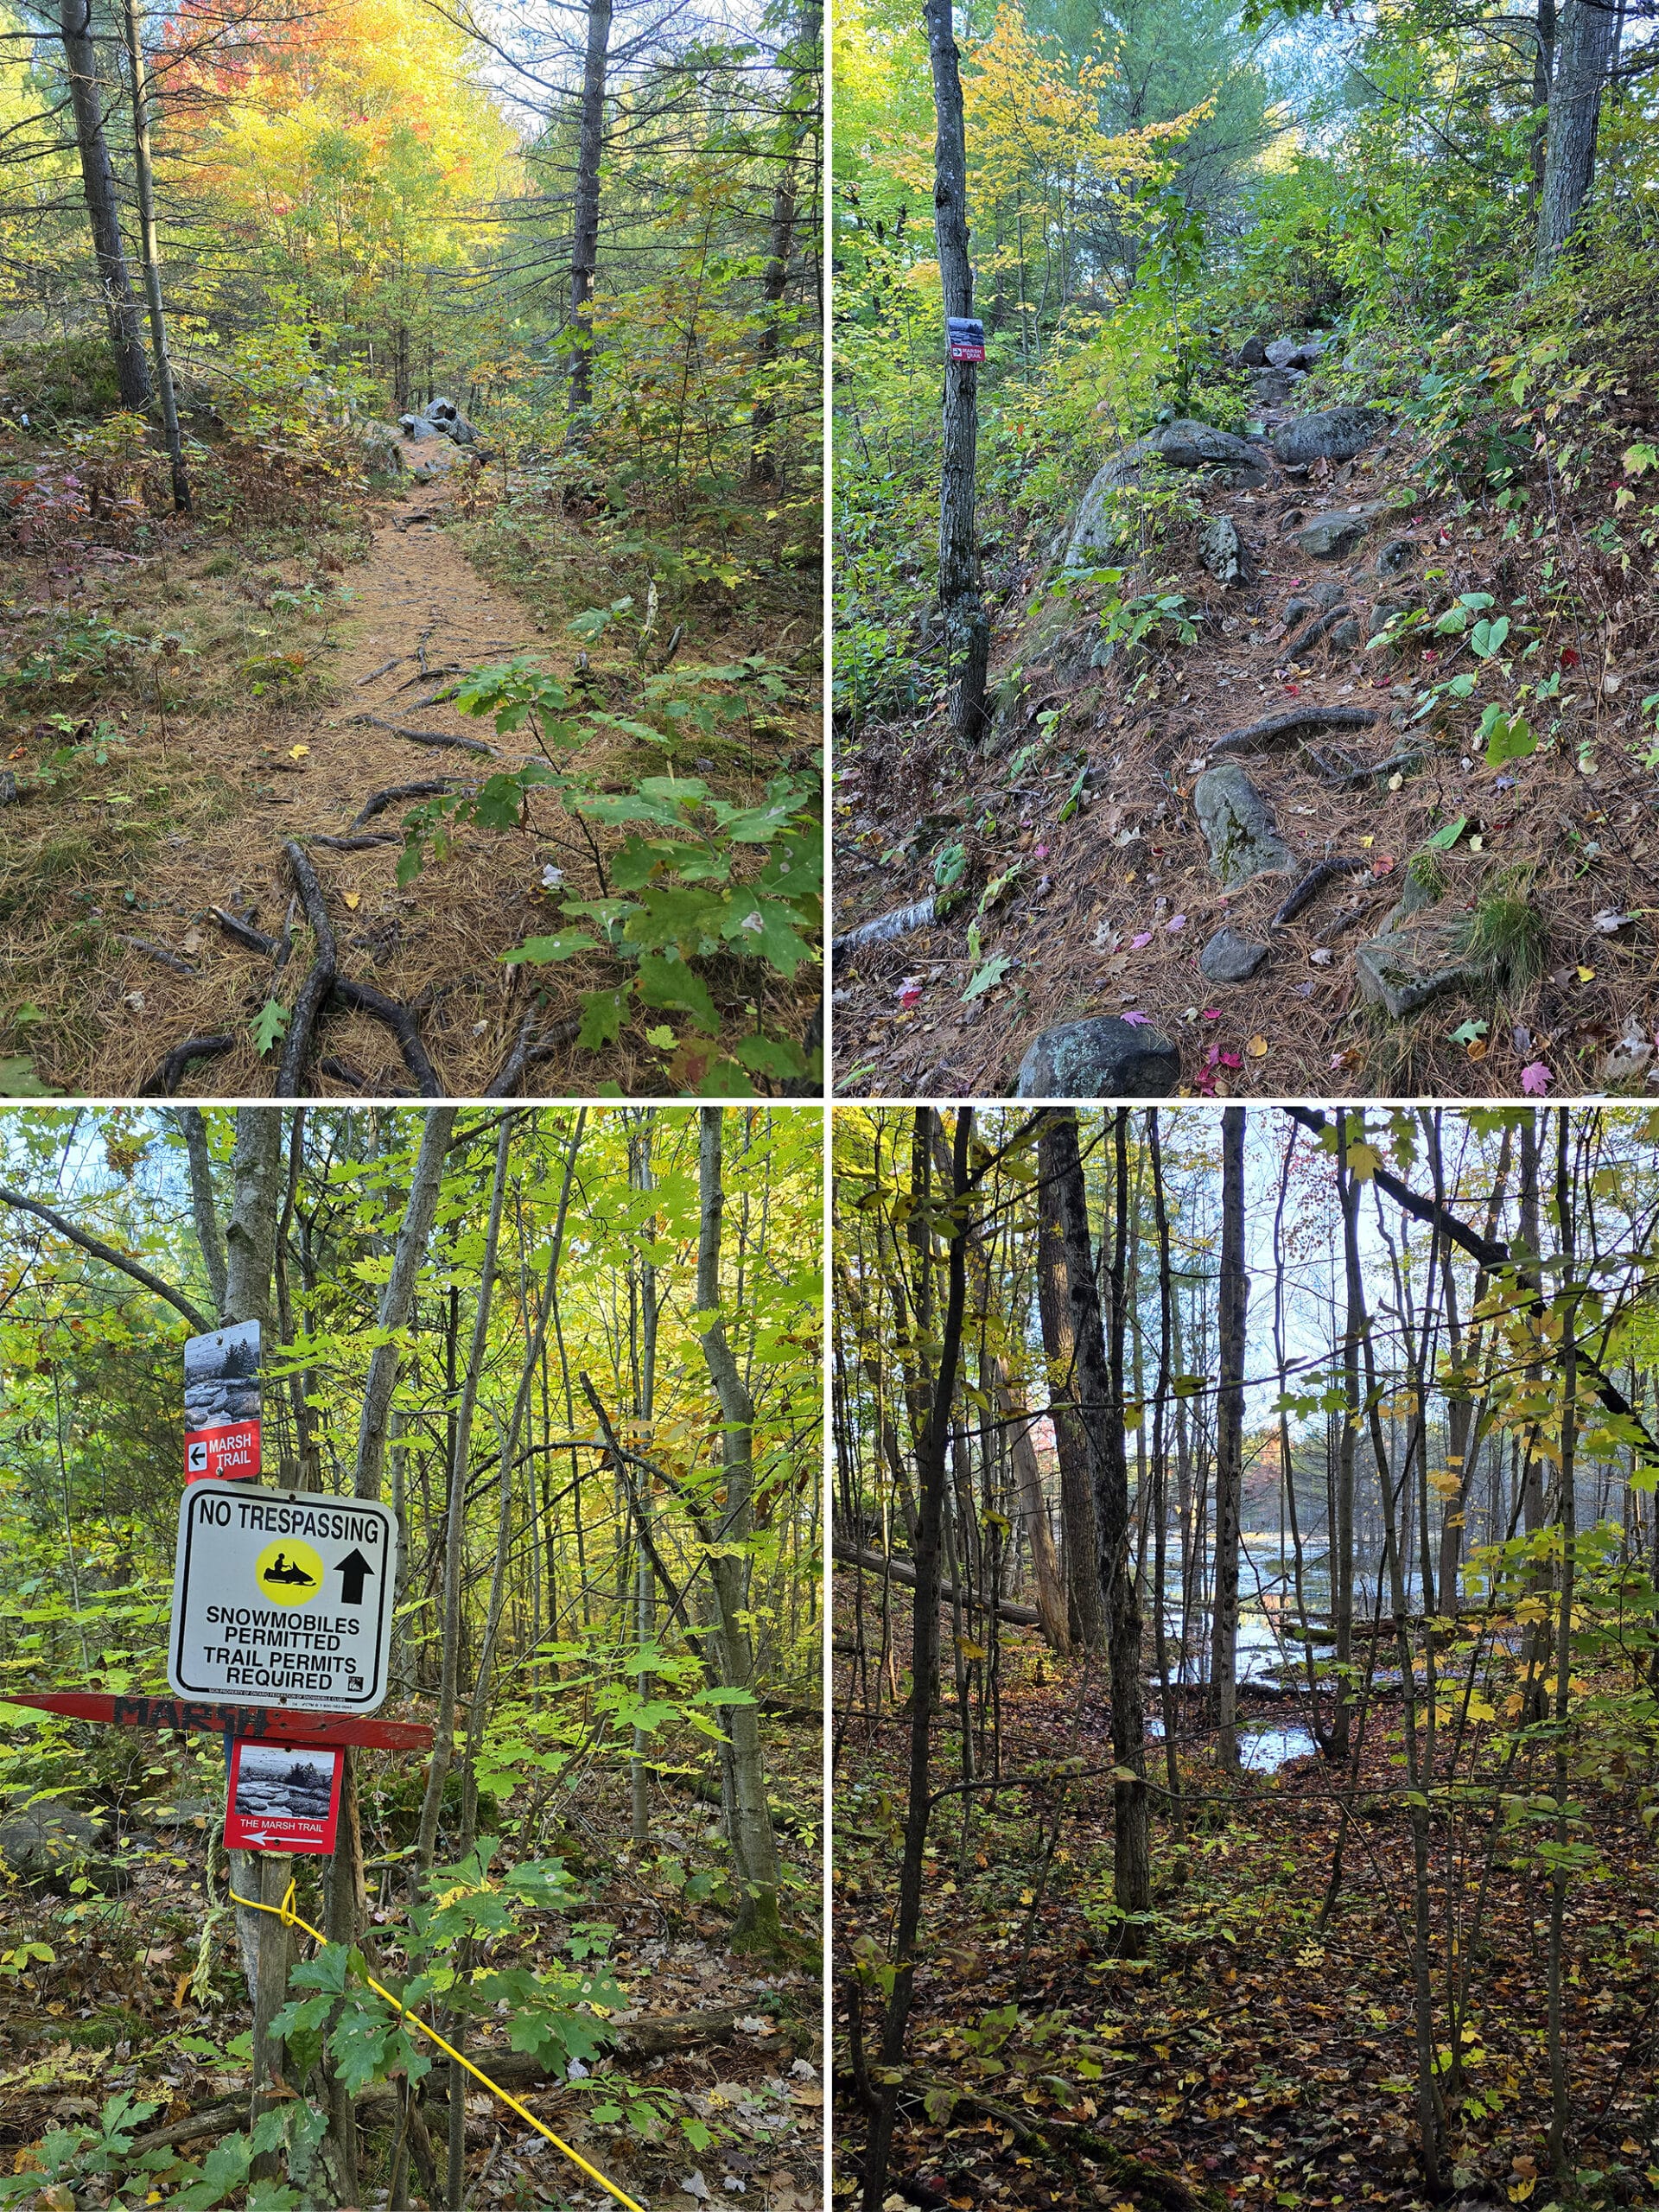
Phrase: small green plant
(1508, 935)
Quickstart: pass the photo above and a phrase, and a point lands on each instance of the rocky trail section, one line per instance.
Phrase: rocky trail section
(404, 994)
(1240, 859)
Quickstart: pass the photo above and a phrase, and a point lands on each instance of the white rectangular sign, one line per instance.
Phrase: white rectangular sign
(282, 1599)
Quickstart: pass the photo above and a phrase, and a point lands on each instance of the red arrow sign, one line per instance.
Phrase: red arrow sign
(275, 1723)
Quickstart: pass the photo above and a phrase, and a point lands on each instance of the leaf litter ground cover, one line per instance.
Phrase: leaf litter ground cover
(135, 830)
(116, 1988)
(1254, 2059)
(1082, 885)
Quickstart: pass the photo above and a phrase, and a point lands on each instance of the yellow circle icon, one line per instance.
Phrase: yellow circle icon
(289, 1574)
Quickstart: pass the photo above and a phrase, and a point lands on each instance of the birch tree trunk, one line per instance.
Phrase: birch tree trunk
(140, 87)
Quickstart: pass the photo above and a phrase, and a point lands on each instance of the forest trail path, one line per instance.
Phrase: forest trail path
(419, 613)
(1113, 901)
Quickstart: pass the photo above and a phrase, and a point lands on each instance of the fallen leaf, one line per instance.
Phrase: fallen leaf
(1608, 920)
(1478, 1049)
(1321, 955)
(193, 939)
(298, 752)
(1367, 843)
(1139, 943)
(1587, 975)
(354, 899)
(1176, 922)
(1137, 1020)
(1535, 1080)
(1257, 1048)
(1384, 864)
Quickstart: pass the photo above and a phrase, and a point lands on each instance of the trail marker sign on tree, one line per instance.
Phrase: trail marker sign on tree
(282, 1599)
(964, 337)
(221, 1405)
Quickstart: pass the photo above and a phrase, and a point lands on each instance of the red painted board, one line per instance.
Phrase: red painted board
(272, 1722)
(283, 1797)
(222, 1454)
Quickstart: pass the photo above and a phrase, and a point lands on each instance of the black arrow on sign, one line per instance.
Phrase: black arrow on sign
(353, 1568)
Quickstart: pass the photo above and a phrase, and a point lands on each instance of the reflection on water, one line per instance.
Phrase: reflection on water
(1265, 1750)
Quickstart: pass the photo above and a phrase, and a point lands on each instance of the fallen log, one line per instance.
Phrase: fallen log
(897, 924)
(901, 1570)
(430, 736)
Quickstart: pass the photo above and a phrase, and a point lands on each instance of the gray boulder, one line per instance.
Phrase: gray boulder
(1223, 552)
(1235, 819)
(1252, 355)
(1402, 968)
(1187, 444)
(45, 1839)
(1344, 636)
(420, 426)
(1294, 353)
(1095, 532)
(1337, 433)
(1332, 536)
(1106, 1058)
(383, 449)
(1230, 958)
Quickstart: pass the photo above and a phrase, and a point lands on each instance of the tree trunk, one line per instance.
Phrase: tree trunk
(194, 1129)
(1100, 1392)
(925, 1655)
(754, 1847)
(103, 210)
(1234, 1291)
(1028, 1484)
(1583, 58)
(140, 98)
(584, 245)
(1087, 1619)
(967, 627)
(800, 118)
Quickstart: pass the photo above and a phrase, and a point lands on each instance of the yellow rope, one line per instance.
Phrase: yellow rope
(289, 1918)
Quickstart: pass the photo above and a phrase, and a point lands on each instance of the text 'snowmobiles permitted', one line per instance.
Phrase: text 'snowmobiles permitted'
(282, 1597)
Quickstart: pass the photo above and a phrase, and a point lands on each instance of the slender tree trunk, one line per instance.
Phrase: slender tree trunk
(1583, 59)
(1082, 1549)
(584, 245)
(103, 208)
(1235, 1290)
(1560, 2087)
(140, 98)
(967, 627)
(930, 1444)
(1100, 1392)
(1028, 1485)
(754, 1846)
(644, 1603)
(798, 120)
(194, 1129)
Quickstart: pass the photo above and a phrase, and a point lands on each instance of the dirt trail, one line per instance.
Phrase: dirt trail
(416, 605)
(1111, 907)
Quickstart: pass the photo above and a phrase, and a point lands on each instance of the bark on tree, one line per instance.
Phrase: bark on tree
(103, 209)
(1100, 1394)
(967, 627)
(584, 244)
(194, 1129)
(931, 1442)
(1082, 1550)
(754, 1847)
(140, 88)
(800, 119)
(1235, 1290)
(1584, 55)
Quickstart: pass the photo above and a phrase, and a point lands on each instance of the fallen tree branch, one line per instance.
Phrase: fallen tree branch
(355, 844)
(314, 990)
(898, 922)
(163, 1080)
(175, 961)
(385, 669)
(900, 1570)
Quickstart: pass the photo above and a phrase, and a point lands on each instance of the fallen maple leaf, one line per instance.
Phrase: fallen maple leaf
(1137, 1020)
(1139, 943)
(354, 899)
(1535, 1080)
(910, 994)
(1176, 922)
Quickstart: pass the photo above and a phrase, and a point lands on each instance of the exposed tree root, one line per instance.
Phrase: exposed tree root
(169, 1076)
(1313, 883)
(379, 801)
(430, 736)
(1298, 721)
(314, 990)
